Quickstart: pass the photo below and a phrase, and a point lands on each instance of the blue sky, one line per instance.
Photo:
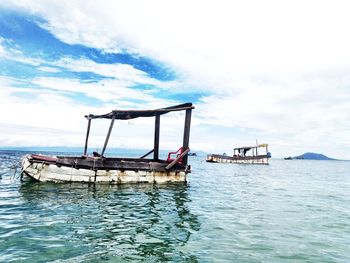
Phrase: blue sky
(24, 37)
(255, 71)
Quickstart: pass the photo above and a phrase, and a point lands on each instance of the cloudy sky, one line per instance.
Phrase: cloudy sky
(272, 71)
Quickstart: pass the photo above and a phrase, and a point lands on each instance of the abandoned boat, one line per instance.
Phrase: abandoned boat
(112, 170)
(244, 155)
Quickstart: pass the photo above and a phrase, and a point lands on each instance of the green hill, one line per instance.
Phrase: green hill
(313, 156)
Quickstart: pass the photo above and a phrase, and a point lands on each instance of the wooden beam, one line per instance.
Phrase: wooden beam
(182, 155)
(143, 156)
(108, 135)
(87, 137)
(156, 137)
(130, 114)
(186, 138)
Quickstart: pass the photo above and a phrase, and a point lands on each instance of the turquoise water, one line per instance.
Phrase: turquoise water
(289, 211)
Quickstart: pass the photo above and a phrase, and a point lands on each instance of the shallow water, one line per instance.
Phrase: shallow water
(288, 211)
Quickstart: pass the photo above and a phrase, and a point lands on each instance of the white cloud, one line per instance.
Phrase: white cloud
(109, 91)
(37, 108)
(49, 69)
(2, 50)
(123, 72)
(47, 117)
(14, 54)
(248, 37)
(276, 68)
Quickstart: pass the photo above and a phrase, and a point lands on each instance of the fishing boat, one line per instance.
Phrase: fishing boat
(97, 168)
(243, 155)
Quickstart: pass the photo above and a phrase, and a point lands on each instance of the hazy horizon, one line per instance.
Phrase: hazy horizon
(76, 149)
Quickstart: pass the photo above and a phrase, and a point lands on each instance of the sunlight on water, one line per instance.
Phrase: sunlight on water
(289, 211)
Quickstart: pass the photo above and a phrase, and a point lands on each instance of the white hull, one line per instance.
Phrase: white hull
(218, 159)
(44, 172)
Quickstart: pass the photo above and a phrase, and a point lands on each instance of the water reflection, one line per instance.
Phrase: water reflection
(9, 163)
(130, 222)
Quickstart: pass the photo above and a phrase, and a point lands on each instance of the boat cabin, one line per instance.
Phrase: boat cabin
(247, 151)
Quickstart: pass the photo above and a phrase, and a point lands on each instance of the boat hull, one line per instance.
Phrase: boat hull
(215, 158)
(50, 172)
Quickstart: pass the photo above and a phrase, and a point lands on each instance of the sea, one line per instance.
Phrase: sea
(287, 211)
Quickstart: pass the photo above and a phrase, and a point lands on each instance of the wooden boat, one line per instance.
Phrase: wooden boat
(112, 170)
(243, 155)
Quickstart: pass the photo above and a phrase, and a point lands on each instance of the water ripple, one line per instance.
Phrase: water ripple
(284, 212)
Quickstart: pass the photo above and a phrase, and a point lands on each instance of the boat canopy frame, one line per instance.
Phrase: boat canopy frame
(132, 114)
(244, 149)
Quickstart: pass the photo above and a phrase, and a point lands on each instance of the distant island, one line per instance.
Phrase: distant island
(310, 156)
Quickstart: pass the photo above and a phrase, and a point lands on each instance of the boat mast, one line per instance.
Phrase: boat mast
(186, 137)
(156, 137)
(87, 136)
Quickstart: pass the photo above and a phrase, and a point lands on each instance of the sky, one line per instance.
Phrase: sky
(271, 71)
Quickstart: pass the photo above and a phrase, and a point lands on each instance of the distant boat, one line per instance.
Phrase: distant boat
(243, 155)
(192, 154)
(97, 168)
(288, 158)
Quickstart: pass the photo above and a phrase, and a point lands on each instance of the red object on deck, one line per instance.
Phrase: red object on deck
(178, 152)
(43, 158)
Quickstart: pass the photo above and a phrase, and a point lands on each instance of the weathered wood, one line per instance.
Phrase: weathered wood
(186, 137)
(87, 137)
(108, 135)
(109, 159)
(146, 154)
(182, 155)
(131, 114)
(156, 137)
(111, 164)
(63, 174)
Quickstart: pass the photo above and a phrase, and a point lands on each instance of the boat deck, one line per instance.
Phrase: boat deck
(102, 170)
(110, 163)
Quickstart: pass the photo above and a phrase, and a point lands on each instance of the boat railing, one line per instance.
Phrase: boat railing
(177, 159)
(146, 154)
(177, 153)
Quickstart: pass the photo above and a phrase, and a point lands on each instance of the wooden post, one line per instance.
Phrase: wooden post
(108, 134)
(156, 137)
(186, 138)
(87, 136)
